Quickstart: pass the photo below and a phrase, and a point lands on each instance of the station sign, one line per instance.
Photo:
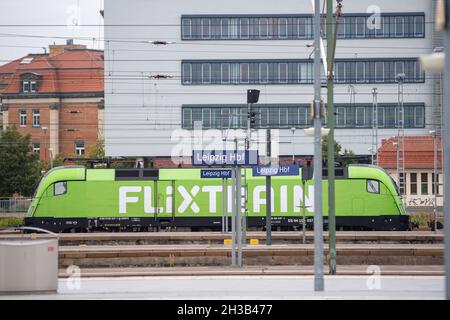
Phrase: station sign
(220, 158)
(215, 174)
(282, 170)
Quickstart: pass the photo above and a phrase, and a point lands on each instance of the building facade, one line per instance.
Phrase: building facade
(57, 98)
(157, 94)
(423, 159)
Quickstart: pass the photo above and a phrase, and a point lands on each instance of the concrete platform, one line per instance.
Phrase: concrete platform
(354, 270)
(246, 287)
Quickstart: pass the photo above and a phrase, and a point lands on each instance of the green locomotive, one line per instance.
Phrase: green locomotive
(79, 199)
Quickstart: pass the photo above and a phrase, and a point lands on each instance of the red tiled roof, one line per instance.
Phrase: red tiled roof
(419, 152)
(76, 70)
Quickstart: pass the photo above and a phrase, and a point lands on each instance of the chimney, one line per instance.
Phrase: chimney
(56, 49)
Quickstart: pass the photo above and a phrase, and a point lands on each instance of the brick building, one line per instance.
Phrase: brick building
(55, 97)
(419, 168)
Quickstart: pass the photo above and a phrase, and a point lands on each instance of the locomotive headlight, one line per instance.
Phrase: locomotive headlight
(433, 63)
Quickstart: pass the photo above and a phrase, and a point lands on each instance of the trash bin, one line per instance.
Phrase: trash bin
(29, 264)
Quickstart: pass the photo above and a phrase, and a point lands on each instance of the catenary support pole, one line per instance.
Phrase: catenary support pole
(446, 158)
(330, 113)
(268, 193)
(224, 199)
(239, 215)
(233, 218)
(318, 218)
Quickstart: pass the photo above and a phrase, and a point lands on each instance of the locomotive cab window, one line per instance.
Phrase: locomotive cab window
(60, 188)
(373, 186)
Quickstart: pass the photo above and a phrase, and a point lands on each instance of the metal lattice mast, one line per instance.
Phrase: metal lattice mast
(401, 178)
(374, 152)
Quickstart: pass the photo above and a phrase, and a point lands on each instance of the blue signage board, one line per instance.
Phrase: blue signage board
(282, 170)
(220, 158)
(211, 174)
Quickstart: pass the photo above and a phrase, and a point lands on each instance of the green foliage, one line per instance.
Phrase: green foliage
(58, 161)
(122, 165)
(20, 169)
(97, 150)
(339, 156)
(11, 222)
(420, 219)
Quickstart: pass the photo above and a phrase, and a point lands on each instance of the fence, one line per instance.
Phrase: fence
(14, 205)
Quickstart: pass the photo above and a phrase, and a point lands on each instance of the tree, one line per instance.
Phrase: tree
(57, 161)
(98, 150)
(20, 169)
(345, 157)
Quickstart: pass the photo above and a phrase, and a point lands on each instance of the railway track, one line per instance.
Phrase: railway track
(215, 255)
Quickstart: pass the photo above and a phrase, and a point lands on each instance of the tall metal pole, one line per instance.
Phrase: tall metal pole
(224, 207)
(239, 214)
(233, 218)
(374, 126)
(304, 211)
(446, 158)
(435, 183)
(330, 113)
(318, 218)
(268, 193)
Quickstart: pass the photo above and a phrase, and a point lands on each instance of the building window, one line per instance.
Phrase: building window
(79, 148)
(297, 115)
(399, 27)
(206, 73)
(33, 86)
(186, 28)
(424, 183)
(187, 73)
(360, 27)
(245, 28)
(26, 86)
(23, 118)
(291, 71)
(379, 72)
(283, 72)
(29, 86)
(36, 148)
(264, 72)
(283, 28)
(419, 26)
(435, 185)
(413, 183)
(206, 28)
(264, 27)
(245, 72)
(393, 25)
(36, 118)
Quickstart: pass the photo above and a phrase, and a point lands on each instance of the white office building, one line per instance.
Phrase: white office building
(212, 52)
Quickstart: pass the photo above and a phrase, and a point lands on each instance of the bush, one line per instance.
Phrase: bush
(420, 220)
(11, 222)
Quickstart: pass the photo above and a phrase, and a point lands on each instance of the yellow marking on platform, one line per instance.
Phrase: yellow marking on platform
(227, 241)
(254, 242)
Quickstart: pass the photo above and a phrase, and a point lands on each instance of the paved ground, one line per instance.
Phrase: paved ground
(346, 270)
(246, 287)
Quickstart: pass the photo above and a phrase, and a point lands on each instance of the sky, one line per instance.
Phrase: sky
(48, 21)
